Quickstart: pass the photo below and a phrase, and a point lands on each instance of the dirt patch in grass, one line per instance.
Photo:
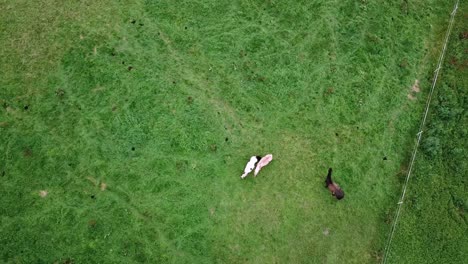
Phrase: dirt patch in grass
(27, 152)
(92, 180)
(463, 35)
(92, 223)
(414, 90)
(60, 93)
(411, 97)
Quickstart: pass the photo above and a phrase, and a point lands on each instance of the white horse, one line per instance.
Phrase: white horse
(250, 165)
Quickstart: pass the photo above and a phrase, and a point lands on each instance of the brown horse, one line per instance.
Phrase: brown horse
(333, 187)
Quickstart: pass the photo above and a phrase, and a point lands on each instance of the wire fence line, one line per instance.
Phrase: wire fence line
(419, 134)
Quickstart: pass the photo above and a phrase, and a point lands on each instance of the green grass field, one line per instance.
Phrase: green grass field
(434, 225)
(125, 125)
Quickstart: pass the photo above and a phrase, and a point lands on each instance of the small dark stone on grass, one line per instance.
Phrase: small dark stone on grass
(60, 93)
(26, 107)
(133, 148)
(69, 164)
(181, 165)
(141, 24)
(69, 261)
(123, 62)
(93, 197)
(404, 63)
(130, 68)
(27, 152)
(226, 139)
(133, 21)
(213, 147)
(385, 158)
(92, 223)
(336, 134)
(185, 27)
(453, 61)
(173, 82)
(113, 53)
(463, 35)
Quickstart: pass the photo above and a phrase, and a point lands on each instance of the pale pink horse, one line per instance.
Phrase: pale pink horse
(262, 163)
